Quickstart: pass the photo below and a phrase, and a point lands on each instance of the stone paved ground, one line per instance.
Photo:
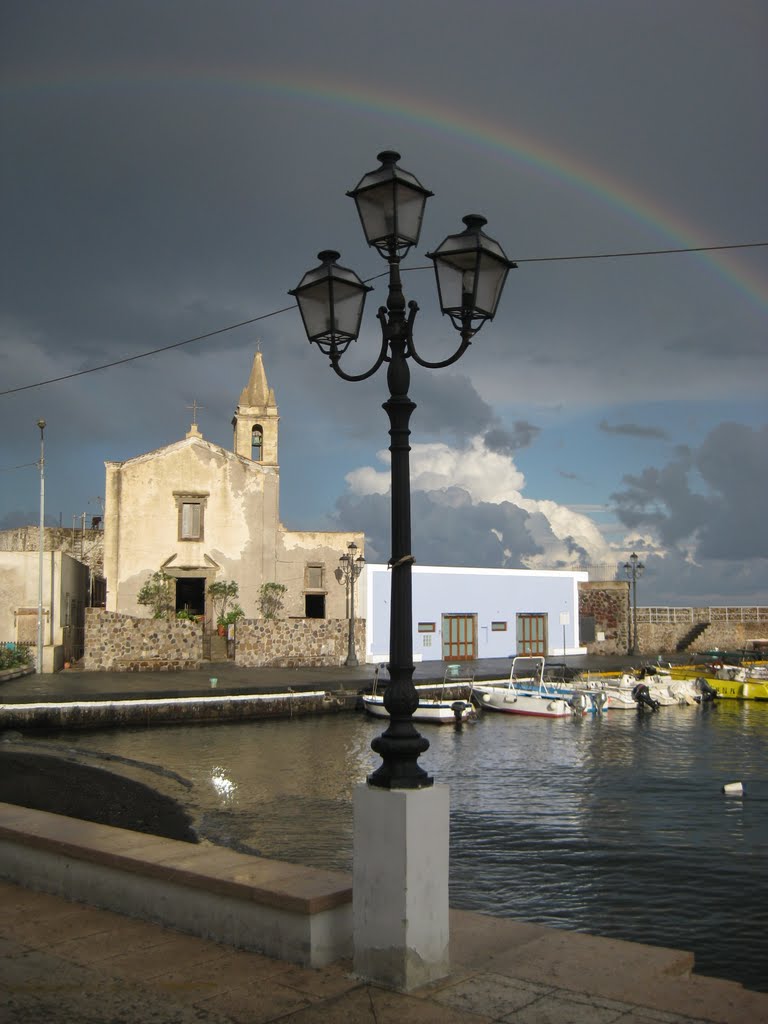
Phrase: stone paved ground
(63, 963)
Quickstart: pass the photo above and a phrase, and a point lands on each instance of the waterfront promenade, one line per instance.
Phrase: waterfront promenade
(62, 963)
(75, 685)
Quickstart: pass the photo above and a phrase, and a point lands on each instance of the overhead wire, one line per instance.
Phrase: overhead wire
(285, 309)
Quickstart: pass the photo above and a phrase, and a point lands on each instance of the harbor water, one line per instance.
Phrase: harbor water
(615, 825)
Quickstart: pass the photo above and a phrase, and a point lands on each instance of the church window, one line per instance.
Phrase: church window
(191, 515)
(257, 444)
(314, 577)
(190, 520)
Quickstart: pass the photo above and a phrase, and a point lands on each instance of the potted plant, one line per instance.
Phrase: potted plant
(221, 592)
(231, 617)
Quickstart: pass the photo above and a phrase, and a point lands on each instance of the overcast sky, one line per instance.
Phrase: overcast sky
(172, 168)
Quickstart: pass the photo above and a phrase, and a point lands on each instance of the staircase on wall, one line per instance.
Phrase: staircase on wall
(216, 648)
(693, 634)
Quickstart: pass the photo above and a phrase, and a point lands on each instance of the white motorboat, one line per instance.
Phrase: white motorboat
(651, 687)
(438, 709)
(526, 693)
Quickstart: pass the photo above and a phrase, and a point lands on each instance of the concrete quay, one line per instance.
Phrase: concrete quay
(75, 684)
(62, 962)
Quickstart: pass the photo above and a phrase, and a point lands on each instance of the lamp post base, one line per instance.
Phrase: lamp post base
(400, 885)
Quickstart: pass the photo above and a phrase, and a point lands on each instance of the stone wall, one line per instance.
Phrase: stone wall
(727, 636)
(660, 630)
(290, 643)
(125, 643)
(608, 604)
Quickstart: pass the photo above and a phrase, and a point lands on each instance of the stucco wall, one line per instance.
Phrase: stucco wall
(142, 520)
(491, 595)
(65, 588)
(242, 538)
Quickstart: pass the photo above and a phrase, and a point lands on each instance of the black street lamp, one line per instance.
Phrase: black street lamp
(633, 569)
(471, 269)
(349, 569)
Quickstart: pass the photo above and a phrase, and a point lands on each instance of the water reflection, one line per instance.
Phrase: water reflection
(615, 825)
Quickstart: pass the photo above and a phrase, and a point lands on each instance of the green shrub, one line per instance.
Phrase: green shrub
(159, 593)
(271, 599)
(14, 656)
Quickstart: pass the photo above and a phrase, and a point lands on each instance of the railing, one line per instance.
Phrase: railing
(8, 650)
(673, 616)
(725, 613)
(739, 614)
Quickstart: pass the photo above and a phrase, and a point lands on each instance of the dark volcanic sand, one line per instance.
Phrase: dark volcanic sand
(93, 794)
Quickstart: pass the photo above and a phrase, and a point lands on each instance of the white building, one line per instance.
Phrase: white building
(65, 592)
(463, 614)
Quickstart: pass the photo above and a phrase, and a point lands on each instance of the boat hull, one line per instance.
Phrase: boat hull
(510, 702)
(437, 712)
(734, 689)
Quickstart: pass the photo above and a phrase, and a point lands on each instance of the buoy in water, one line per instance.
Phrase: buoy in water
(733, 789)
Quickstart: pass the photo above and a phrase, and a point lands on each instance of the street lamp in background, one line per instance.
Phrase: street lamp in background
(39, 666)
(471, 269)
(400, 869)
(349, 570)
(633, 569)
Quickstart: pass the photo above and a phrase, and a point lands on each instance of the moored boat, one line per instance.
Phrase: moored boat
(439, 709)
(652, 687)
(732, 682)
(527, 693)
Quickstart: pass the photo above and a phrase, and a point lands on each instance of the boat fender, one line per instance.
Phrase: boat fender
(733, 789)
(486, 697)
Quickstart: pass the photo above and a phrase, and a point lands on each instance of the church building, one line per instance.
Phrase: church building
(203, 514)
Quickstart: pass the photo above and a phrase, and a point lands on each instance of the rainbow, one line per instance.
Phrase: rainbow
(499, 140)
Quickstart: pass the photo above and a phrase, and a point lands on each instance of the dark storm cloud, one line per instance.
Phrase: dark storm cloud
(715, 499)
(169, 169)
(506, 442)
(675, 580)
(721, 344)
(632, 430)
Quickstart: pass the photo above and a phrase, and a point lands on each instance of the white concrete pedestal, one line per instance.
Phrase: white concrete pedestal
(400, 885)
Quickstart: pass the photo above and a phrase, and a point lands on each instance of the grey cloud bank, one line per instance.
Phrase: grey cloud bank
(170, 169)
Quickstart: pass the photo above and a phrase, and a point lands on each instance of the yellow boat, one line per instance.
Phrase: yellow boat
(731, 681)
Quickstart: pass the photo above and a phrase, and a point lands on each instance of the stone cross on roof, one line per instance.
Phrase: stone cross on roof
(193, 431)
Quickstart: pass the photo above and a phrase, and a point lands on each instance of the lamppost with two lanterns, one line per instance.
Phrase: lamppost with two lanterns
(471, 269)
(349, 569)
(633, 570)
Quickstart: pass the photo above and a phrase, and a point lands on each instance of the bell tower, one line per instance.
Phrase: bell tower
(256, 419)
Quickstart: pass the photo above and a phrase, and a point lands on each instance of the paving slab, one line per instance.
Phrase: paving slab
(504, 972)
